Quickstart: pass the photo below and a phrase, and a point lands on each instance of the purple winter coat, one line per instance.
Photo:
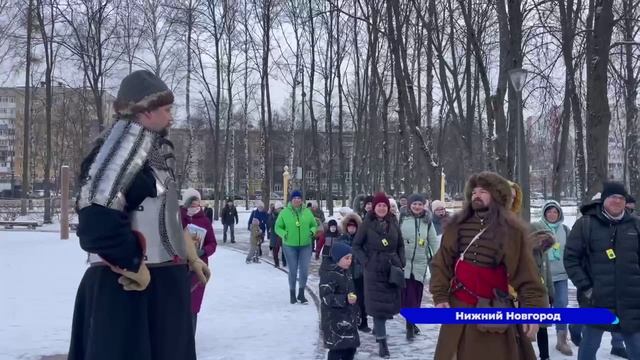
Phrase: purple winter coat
(208, 248)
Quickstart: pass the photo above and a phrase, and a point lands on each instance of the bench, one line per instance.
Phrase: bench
(11, 224)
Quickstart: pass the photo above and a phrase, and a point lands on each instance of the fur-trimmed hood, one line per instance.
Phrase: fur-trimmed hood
(349, 218)
(516, 205)
(492, 182)
(553, 204)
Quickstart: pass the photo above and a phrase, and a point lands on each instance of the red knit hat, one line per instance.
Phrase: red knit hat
(380, 198)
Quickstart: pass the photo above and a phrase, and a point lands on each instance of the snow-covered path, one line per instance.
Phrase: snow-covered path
(245, 314)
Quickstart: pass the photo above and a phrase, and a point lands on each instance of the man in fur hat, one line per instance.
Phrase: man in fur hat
(134, 299)
(484, 248)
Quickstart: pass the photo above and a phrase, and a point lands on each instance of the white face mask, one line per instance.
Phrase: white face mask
(193, 210)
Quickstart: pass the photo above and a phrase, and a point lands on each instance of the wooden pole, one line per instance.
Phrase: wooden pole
(64, 204)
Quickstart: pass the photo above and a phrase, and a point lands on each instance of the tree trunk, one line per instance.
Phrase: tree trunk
(314, 122)
(341, 157)
(47, 42)
(600, 26)
(631, 94)
(27, 114)
(245, 104)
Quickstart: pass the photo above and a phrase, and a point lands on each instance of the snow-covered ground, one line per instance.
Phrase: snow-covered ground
(245, 314)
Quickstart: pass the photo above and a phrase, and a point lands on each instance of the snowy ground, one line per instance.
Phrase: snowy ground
(245, 314)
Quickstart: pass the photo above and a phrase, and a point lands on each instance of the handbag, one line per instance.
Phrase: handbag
(396, 276)
(500, 298)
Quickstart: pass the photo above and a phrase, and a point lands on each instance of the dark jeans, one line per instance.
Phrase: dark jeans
(380, 328)
(543, 343)
(359, 284)
(591, 338)
(617, 342)
(224, 234)
(343, 354)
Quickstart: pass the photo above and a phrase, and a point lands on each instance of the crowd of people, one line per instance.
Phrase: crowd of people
(145, 261)
(484, 255)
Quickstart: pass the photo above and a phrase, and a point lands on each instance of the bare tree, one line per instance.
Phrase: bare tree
(628, 76)
(27, 113)
(133, 30)
(93, 40)
(161, 20)
(599, 31)
(46, 17)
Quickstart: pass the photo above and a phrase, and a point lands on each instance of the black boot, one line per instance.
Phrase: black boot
(301, 297)
(292, 295)
(410, 331)
(364, 327)
(621, 352)
(383, 349)
(416, 329)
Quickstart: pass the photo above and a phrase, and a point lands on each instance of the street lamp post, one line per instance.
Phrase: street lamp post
(518, 77)
(285, 183)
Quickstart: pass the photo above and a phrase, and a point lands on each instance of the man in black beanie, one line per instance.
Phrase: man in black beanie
(134, 299)
(601, 259)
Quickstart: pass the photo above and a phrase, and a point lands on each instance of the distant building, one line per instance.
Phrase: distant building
(74, 127)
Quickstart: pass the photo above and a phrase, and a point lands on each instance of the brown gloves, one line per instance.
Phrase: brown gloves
(133, 281)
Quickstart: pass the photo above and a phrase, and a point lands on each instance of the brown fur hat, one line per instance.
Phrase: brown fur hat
(495, 184)
(350, 218)
(141, 91)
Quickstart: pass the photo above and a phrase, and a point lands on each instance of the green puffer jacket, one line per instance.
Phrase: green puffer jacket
(420, 244)
(296, 227)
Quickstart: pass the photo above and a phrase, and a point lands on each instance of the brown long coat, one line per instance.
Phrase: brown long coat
(465, 341)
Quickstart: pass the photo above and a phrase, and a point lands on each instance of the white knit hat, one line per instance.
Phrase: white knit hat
(437, 204)
(188, 195)
(278, 205)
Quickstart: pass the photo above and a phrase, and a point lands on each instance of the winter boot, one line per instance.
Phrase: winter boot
(292, 296)
(383, 349)
(301, 297)
(410, 331)
(364, 327)
(562, 344)
(620, 351)
(416, 329)
(233, 241)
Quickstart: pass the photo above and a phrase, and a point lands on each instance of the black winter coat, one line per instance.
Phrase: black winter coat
(382, 299)
(229, 215)
(615, 281)
(338, 318)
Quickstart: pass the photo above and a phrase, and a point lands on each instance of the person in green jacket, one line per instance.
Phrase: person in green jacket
(296, 225)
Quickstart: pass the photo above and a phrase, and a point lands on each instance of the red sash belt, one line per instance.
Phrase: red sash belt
(472, 281)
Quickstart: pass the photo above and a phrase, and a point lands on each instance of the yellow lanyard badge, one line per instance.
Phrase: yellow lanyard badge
(611, 254)
(385, 242)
